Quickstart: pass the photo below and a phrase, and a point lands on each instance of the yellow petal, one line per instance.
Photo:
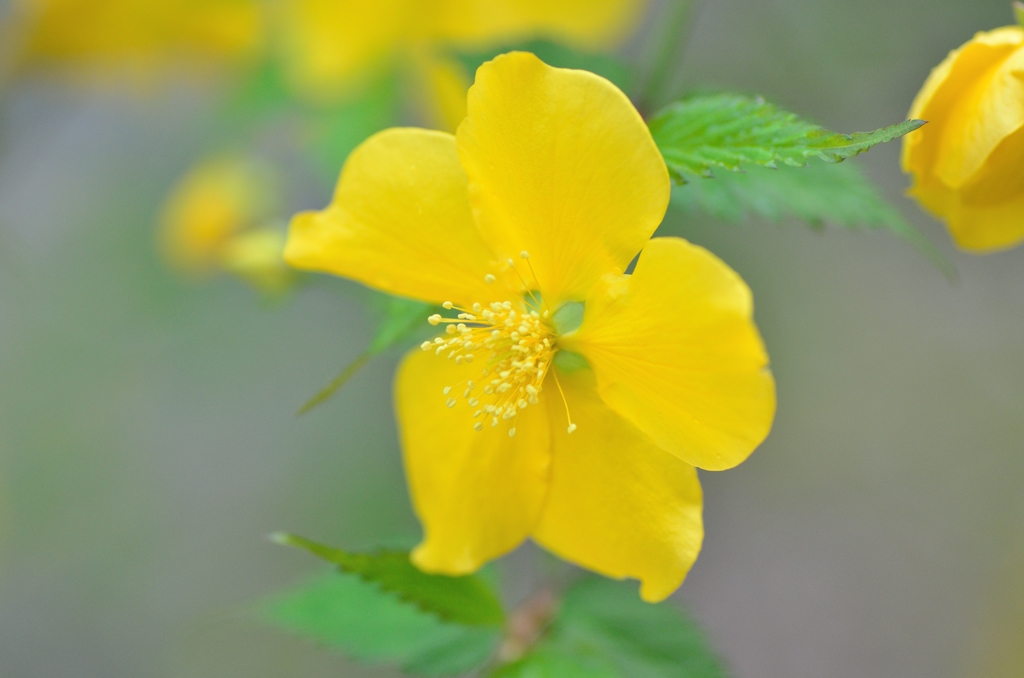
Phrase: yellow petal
(952, 86)
(400, 221)
(676, 352)
(966, 162)
(987, 214)
(561, 165)
(477, 494)
(329, 45)
(991, 110)
(617, 504)
(591, 23)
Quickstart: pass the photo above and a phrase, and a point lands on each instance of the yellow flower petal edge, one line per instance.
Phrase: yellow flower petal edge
(676, 352)
(561, 165)
(400, 221)
(617, 504)
(966, 164)
(477, 495)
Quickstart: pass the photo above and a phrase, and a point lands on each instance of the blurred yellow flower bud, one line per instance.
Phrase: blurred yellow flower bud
(214, 202)
(257, 256)
(967, 164)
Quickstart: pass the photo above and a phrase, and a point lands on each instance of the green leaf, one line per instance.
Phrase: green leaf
(332, 133)
(356, 617)
(605, 630)
(819, 194)
(553, 662)
(730, 131)
(263, 93)
(466, 600)
(399, 319)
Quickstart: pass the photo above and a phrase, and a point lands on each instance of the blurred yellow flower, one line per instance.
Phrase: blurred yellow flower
(330, 44)
(256, 256)
(967, 164)
(593, 394)
(214, 220)
(137, 35)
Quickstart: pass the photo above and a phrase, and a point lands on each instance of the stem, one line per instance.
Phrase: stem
(527, 623)
(339, 381)
(1018, 10)
(678, 20)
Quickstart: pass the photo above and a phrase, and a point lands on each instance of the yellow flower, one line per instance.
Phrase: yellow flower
(137, 35)
(566, 401)
(330, 44)
(214, 220)
(968, 162)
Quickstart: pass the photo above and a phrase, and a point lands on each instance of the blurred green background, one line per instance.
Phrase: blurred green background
(148, 439)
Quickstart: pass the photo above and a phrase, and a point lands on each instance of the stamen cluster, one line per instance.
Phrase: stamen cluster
(520, 346)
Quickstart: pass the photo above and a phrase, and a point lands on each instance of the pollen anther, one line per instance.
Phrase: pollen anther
(518, 346)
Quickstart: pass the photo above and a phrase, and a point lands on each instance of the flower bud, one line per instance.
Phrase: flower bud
(967, 164)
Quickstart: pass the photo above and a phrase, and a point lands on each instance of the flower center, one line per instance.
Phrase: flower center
(521, 345)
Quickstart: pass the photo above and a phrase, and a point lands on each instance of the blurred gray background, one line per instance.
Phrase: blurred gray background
(148, 437)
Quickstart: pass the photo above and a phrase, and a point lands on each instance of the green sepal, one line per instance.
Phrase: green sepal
(466, 600)
(358, 618)
(568, 317)
(570, 361)
(730, 131)
(820, 194)
(604, 630)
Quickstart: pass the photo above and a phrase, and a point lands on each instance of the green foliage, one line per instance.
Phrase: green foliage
(604, 630)
(333, 132)
(551, 662)
(819, 194)
(381, 609)
(466, 600)
(399, 319)
(350, 614)
(262, 94)
(558, 55)
(730, 131)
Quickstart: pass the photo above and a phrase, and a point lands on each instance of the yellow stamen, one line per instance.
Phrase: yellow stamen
(572, 426)
(520, 347)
